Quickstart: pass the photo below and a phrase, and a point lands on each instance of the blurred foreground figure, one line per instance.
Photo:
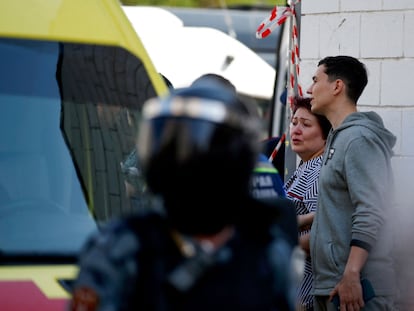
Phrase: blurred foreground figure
(212, 246)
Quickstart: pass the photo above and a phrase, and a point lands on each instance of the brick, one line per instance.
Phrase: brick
(398, 4)
(358, 5)
(319, 6)
(382, 34)
(396, 85)
(408, 45)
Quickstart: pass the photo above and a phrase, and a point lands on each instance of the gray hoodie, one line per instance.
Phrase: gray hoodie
(354, 203)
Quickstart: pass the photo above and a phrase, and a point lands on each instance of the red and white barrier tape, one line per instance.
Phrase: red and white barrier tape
(278, 145)
(277, 17)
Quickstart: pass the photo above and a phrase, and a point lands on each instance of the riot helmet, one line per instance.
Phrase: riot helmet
(198, 147)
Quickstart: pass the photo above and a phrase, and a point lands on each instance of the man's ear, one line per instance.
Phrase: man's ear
(339, 86)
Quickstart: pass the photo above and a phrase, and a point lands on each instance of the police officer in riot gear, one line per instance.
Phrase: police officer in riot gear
(212, 246)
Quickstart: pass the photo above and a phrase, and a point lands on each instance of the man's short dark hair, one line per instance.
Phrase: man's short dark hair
(348, 69)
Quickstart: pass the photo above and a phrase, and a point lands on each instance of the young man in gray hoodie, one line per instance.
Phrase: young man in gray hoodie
(351, 236)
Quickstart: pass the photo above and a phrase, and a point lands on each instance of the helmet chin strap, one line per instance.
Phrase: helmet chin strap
(200, 252)
(209, 243)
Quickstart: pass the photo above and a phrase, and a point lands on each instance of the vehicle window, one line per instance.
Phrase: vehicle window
(64, 131)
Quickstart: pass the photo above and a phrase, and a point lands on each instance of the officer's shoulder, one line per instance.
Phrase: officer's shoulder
(275, 208)
(266, 215)
(134, 226)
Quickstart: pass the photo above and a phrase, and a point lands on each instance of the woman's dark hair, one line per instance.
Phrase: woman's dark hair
(304, 102)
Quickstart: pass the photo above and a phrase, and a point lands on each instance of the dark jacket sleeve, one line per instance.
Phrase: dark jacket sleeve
(107, 269)
(282, 212)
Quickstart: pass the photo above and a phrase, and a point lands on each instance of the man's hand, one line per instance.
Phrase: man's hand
(349, 291)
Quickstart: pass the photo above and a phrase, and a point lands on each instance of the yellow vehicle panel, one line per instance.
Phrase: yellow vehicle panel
(80, 63)
(81, 21)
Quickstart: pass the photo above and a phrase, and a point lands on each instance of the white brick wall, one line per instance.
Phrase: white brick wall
(408, 46)
(320, 6)
(381, 34)
(397, 4)
(397, 82)
(360, 6)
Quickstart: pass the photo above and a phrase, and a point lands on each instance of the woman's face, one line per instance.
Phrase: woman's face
(306, 134)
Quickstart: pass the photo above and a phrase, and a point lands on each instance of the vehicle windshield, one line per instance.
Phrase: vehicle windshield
(63, 135)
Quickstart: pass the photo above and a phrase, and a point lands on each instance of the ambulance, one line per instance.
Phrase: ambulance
(72, 73)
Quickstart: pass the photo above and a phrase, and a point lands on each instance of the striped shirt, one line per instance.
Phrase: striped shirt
(302, 188)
